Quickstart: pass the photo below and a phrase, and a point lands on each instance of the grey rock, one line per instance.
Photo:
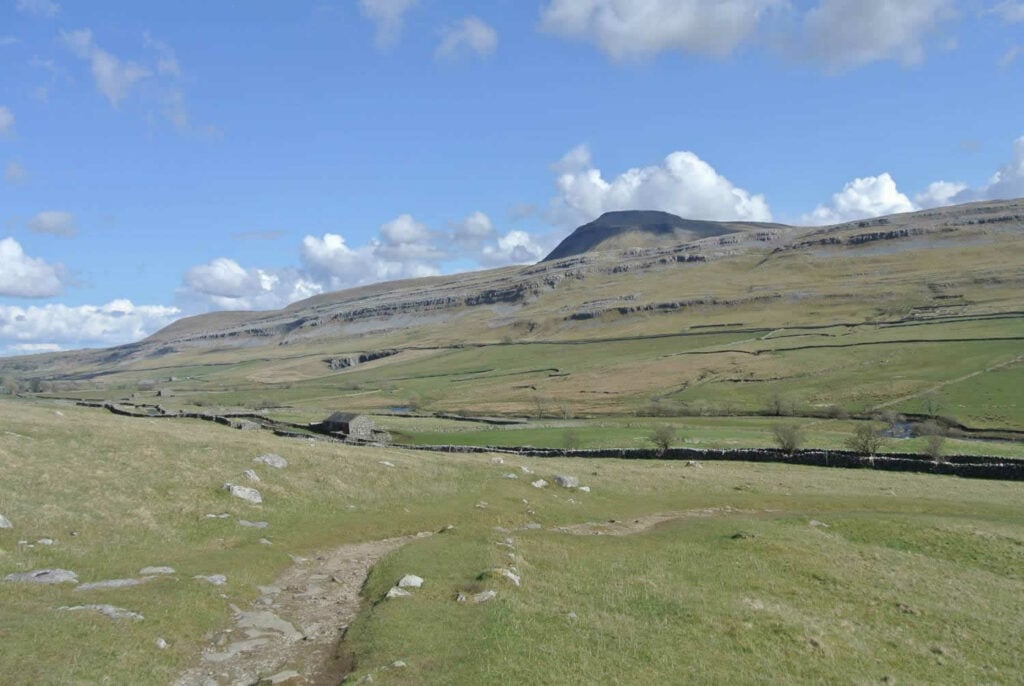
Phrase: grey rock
(525, 470)
(215, 579)
(161, 644)
(539, 483)
(110, 611)
(108, 583)
(533, 526)
(251, 475)
(285, 678)
(222, 515)
(5, 523)
(45, 541)
(397, 592)
(506, 574)
(482, 505)
(386, 463)
(265, 541)
(815, 522)
(253, 525)
(271, 460)
(460, 597)
(45, 576)
(263, 623)
(510, 475)
(244, 492)
(567, 481)
(584, 489)
(398, 664)
(153, 571)
(485, 596)
(498, 460)
(410, 581)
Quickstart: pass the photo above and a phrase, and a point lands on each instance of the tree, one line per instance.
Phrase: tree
(10, 385)
(934, 445)
(931, 404)
(571, 439)
(789, 437)
(865, 440)
(662, 437)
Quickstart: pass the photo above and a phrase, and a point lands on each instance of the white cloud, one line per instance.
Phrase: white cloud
(1005, 184)
(871, 196)
(6, 119)
(54, 222)
(22, 276)
(32, 348)
(224, 284)
(682, 184)
(330, 261)
(472, 230)
(1010, 10)
(14, 172)
(388, 16)
(939, 194)
(638, 28)
(40, 8)
(114, 78)
(850, 33)
(472, 34)
(515, 247)
(119, 321)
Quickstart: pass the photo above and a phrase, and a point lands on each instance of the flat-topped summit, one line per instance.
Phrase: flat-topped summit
(639, 229)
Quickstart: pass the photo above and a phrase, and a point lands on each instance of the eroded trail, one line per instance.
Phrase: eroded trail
(296, 624)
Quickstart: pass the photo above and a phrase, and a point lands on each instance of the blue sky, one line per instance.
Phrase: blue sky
(166, 159)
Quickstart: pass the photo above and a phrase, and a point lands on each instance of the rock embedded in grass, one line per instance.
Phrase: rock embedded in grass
(396, 592)
(5, 523)
(45, 576)
(251, 475)
(244, 492)
(539, 483)
(253, 525)
(288, 677)
(108, 583)
(567, 481)
(485, 596)
(271, 460)
(215, 579)
(153, 571)
(410, 581)
(584, 489)
(111, 611)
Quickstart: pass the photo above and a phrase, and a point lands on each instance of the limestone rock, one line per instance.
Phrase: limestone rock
(45, 576)
(271, 460)
(251, 475)
(5, 523)
(497, 460)
(584, 489)
(153, 571)
(397, 592)
(45, 541)
(539, 483)
(108, 583)
(506, 574)
(510, 475)
(567, 481)
(244, 492)
(385, 463)
(110, 611)
(161, 644)
(289, 677)
(215, 579)
(485, 596)
(253, 525)
(410, 581)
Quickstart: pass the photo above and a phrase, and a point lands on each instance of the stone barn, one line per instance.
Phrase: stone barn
(350, 424)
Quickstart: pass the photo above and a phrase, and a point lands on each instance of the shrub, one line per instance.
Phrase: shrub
(789, 437)
(934, 446)
(571, 439)
(865, 440)
(662, 437)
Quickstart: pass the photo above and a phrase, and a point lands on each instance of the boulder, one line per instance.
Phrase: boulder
(567, 481)
(108, 611)
(410, 581)
(244, 492)
(45, 576)
(271, 460)
(397, 592)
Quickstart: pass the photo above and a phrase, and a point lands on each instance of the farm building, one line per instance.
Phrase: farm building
(350, 424)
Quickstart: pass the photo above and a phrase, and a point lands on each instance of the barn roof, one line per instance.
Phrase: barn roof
(342, 417)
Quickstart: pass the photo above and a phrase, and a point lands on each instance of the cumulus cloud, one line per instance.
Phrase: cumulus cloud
(1006, 183)
(39, 8)
(22, 276)
(515, 247)
(473, 230)
(1010, 10)
(637, 28)
(54, 222)
(224, 284)
(871, 196)
(119, 321)
(850, 33)
(470, 34)
(388, 16)
(682, 184)
(330, 261)
(6, 119)
(114, 78)
(14, 172)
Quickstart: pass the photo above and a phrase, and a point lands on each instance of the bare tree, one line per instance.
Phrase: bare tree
(865, 440)
(789, 437)
(662, 437)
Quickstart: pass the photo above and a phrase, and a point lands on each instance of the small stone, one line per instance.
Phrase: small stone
(153, 571)
(446, 528)
(533, 526)
(584, 489)
(108, 583)
(244, 492)
(815, 522)
(460, 597)
(485, 596)
(398, 664)
(161, 644)
(253, 525)
(482, 505)
(251, 475)
(215, 579)
(410, 581)
(497, 460)
(567, 481)
(271, 460)
(525, 470)
(108, 611)
(265, 541)
(397, 592)
(506, 574)
(539, 483)
(45, 576)
(289, 677)
(386, 463)
(45, 541)
(571, 616)
(694, 463)
(5, 523)
(222, 515)
(510, 475)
